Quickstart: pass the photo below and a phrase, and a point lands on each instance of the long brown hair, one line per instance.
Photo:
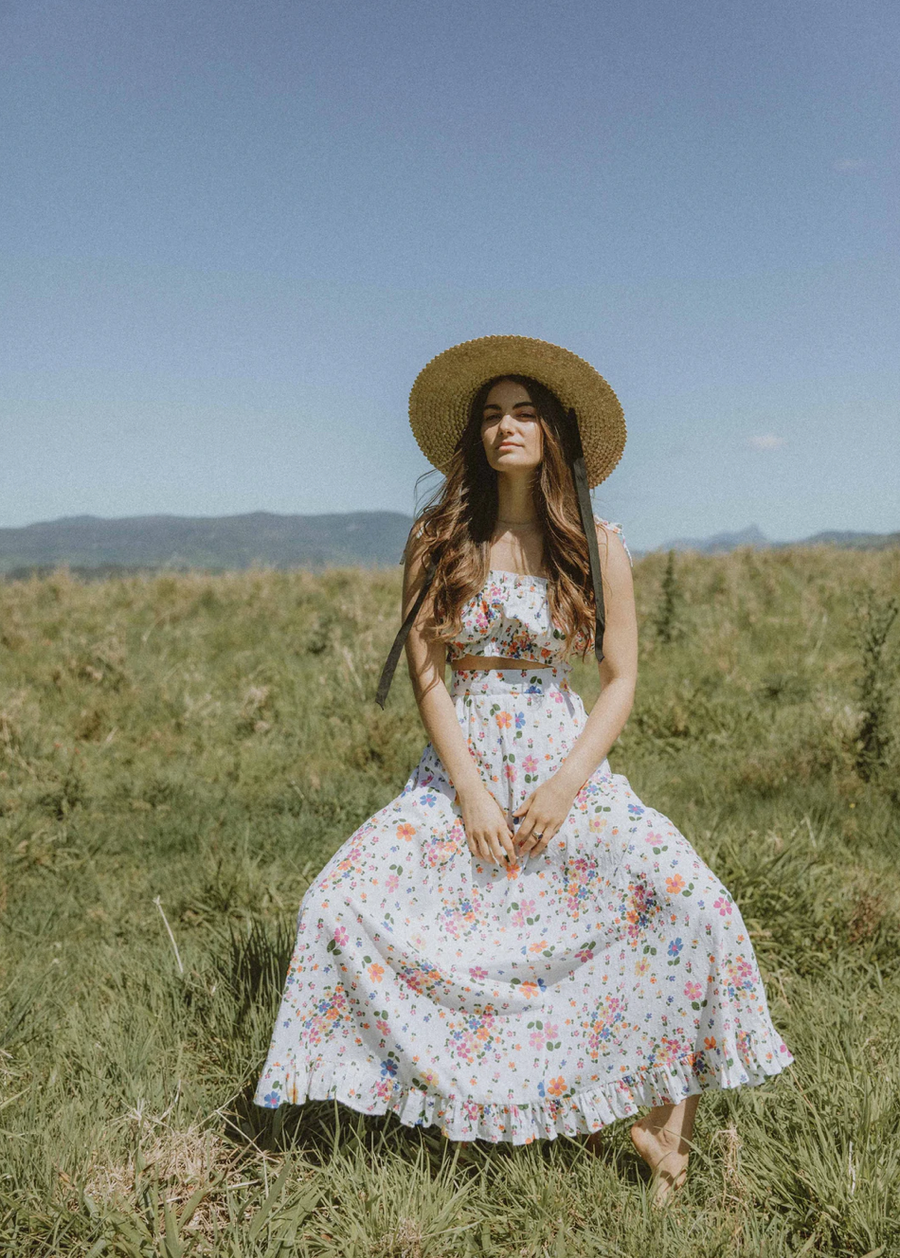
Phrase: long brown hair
(460, 520)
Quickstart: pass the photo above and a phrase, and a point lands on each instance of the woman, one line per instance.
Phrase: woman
(515, 946)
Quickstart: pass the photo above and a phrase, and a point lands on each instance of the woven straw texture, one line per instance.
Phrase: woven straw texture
(443, 391)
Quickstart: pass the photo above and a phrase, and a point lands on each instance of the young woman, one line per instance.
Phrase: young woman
(516, 946)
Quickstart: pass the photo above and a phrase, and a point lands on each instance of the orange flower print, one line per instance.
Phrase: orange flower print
(406, 831)
(557, 1086)
(503, 719)
(675, 884)
(710, 1041)
(375, 972)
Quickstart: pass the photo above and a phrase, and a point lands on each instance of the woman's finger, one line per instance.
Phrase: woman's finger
(543, 843)
(535, 828)
(526, 826)
(505, 840)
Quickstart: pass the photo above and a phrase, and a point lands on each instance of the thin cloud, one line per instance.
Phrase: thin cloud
(766, 441)
(850, 165)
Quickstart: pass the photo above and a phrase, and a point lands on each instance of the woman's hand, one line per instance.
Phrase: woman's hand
(488, 833)
(541, 815)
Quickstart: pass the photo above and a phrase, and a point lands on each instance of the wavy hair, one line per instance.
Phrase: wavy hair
(458, 522)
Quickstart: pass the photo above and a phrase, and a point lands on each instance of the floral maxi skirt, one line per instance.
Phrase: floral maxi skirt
(547, 998)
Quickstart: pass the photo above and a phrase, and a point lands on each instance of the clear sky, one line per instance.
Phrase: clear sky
(232, 233)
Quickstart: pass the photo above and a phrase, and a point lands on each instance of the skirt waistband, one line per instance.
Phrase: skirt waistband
(525, 680)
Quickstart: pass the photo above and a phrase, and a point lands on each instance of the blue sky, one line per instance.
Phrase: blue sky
(231, 234)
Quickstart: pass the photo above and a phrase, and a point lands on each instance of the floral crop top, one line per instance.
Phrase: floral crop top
(510, 618)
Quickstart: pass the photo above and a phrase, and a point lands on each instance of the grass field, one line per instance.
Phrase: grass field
(179, 755)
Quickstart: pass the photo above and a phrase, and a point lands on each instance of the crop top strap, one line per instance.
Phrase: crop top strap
(615, 528)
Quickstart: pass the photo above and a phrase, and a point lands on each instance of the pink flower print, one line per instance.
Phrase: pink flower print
(743, 969)
(476, 972)
(392, 882)
(525, 910)
(652, 837)
(511, 772)
(723, 905)
(536, 1039)
(340, 936)
(503, 719)
(530, 765)
(693, 991)
(383, 1027)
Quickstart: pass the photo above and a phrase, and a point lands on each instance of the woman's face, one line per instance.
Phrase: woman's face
(511, 430)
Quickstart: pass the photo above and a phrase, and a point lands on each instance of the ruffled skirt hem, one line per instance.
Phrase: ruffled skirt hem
(521, 1122)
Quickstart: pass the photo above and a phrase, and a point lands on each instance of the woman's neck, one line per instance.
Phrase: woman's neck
(515, 504)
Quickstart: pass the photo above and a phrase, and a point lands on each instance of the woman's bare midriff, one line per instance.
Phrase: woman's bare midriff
(493, 661)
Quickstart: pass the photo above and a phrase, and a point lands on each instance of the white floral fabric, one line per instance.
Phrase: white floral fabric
(549, 998)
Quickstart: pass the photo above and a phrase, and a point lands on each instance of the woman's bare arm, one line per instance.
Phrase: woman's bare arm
(548, 806)
(487, 829)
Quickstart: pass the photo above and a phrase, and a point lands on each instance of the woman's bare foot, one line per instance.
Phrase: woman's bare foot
(662, 1138)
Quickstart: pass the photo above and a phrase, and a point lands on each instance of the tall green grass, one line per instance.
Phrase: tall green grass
(179, 755)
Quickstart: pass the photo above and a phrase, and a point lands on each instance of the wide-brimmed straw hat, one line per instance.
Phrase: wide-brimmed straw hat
(442, 394)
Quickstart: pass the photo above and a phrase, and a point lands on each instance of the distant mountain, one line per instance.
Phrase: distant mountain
(753, 536)
(93, 547)
(87, 543)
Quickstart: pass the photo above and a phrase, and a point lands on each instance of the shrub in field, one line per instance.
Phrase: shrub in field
(666, 624)
(873, 625)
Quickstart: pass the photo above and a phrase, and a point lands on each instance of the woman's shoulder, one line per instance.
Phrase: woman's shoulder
(415, 533)
(613, 526)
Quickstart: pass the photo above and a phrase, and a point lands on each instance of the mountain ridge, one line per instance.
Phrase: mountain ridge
(98, 545)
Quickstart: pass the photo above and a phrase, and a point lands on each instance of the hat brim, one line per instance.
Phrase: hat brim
(442, 394)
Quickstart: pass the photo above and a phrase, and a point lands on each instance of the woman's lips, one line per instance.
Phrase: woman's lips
(509, 445)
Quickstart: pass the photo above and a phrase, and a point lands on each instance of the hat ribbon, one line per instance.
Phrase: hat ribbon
(590, 532)
(390, 663)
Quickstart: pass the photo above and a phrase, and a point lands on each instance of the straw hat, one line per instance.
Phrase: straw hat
(443, 391)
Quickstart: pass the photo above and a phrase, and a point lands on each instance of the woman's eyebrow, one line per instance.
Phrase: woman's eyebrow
(493, 406)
